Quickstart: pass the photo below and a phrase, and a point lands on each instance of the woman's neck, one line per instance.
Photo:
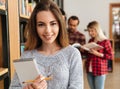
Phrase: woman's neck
(49, 49)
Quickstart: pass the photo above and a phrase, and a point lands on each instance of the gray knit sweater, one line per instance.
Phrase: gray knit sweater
(65, 66)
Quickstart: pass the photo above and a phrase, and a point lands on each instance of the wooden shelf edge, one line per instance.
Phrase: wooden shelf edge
(3, 71)
(24, 16)
(2, 7)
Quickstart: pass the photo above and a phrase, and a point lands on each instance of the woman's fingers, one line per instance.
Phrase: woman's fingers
(28, 86)
(39, 78)
(40, 85)
(25, 87)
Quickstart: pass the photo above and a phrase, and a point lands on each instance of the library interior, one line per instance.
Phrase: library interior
(14, 15)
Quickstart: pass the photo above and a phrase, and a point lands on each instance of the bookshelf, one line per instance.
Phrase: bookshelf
(3, 71)
(25, 10)
(22, 30)
(114, 26)
(2, 4)
(2, 7)
(4, 46)
(14, 36)
(24, 17)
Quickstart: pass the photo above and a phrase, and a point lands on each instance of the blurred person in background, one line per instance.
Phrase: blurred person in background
(74, 35)
(97, 60)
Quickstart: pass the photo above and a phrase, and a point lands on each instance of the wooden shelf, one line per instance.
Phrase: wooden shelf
(24, 16)
(4, 77)
(3, 71)
(14, 39)
(2, 7)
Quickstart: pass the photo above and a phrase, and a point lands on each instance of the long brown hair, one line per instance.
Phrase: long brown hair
(33, 41)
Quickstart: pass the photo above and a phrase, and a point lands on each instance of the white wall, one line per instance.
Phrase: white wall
(88, 10)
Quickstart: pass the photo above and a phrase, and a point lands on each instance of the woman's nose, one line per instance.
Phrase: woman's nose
(48, 28)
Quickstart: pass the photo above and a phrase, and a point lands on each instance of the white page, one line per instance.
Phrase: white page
(93, 45)
(26, 69)
(88, 46)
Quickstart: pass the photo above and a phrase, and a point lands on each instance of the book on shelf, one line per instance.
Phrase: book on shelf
(88, 46)
(26, 7)
(2, 4)
(26, 69)
(22, 47)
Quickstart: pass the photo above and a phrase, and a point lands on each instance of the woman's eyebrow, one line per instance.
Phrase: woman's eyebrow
(40, 22)
(44, 22)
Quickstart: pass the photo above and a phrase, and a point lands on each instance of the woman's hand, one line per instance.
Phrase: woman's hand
(28, 86)
(95, 52)
(39, 83)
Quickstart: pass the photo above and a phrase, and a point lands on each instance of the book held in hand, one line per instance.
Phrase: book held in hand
(88, 46)
(26, 69)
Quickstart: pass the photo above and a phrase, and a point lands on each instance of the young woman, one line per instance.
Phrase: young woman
(97, 60)
(47, 42)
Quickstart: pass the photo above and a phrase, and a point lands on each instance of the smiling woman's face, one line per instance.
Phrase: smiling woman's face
(92, 32)
(47, 27)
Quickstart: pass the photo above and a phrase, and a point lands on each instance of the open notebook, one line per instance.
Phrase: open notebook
(26, 69)
(88, 46)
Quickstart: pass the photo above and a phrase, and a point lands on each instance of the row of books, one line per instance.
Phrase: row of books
(22, 38)
(2, 2)
(26, 7)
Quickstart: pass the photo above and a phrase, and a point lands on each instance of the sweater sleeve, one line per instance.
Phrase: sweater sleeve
(76, 71)
(15, 83)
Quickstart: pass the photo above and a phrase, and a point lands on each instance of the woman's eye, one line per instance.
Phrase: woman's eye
(53, 24)
(40, 25)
